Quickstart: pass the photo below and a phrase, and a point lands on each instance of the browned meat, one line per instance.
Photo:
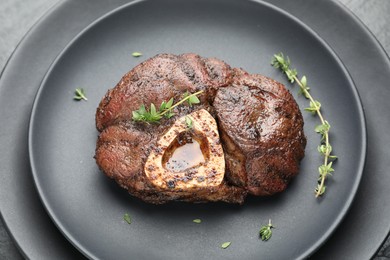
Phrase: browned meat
(251, 126)
(262, 132)
(158, 79)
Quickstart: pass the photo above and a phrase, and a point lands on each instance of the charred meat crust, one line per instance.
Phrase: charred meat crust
(259, 122)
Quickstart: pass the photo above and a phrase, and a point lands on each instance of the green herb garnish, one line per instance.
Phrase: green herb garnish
(127, 218)
(192, 99)
(153, 115)
(189, 122)
(325, 149)
(80, 94)
(225, 245)
(266, 232)
(136, 54)
(197, 221)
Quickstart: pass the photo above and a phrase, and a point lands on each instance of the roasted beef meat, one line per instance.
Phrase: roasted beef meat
(249, 127)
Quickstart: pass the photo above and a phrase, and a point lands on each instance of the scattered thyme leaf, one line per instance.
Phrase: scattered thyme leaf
(80, 94)
(225, 245)
(197, 221)
(266, 232)
(136, 54)
(283, 63)
(127, 218)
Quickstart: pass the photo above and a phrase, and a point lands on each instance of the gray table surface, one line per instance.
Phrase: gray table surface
(17, 16)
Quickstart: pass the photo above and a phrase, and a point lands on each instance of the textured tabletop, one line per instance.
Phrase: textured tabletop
(17, 16)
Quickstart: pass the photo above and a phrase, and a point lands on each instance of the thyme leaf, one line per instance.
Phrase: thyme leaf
(197, 221)
(127, 218)
(191, 99)
(225, 245)
(136, 54)
(283, 63)
(189, 122)
(80, 94)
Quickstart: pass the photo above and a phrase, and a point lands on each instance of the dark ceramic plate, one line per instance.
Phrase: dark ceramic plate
(88, 207)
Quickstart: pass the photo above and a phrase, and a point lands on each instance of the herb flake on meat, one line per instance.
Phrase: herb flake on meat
(153, 115)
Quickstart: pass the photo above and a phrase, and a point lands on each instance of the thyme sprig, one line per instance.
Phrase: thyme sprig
(153, 115)
(266, 232)
(325, 149)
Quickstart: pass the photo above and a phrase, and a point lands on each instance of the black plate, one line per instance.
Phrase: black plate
(88, 208)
